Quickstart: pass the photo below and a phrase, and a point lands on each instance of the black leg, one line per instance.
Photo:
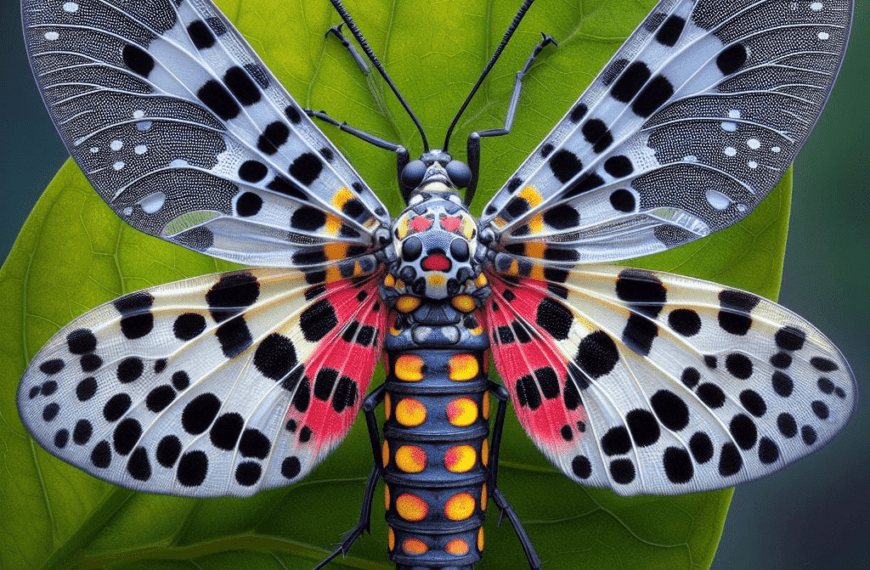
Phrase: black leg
(365, 515)
(473, 145)
(402, 156)
(336, 31)
(504, 507)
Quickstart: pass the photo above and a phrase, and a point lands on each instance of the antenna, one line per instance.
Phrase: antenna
(351, 25)
(507, 36)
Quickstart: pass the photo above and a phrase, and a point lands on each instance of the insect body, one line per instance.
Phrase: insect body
(634, 380)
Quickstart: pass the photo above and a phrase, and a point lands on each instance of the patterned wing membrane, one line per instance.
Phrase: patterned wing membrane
(686, 130)
(651, 383)
(218, 385)
(187, 136)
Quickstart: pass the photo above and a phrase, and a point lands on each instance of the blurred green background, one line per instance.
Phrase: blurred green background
(813, 515)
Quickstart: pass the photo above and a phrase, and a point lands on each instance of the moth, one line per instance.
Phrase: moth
(639, 381)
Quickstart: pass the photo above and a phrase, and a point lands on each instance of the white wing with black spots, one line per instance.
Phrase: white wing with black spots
(204, 387)
(685, 385)
(687, 129)
(188, 136)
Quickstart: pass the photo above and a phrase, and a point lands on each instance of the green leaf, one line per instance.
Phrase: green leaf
(74, 254)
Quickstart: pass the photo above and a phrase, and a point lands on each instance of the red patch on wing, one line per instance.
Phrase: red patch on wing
(450, 223)
(421, 223)
(533, 367)
(435, 262)
(341, 366)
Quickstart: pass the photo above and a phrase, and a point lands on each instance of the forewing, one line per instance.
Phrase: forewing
(188, 136)
(652, 383)
(686, 130)
(224, 384)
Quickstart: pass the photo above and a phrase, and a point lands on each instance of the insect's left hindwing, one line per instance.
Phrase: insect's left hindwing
(222, 384)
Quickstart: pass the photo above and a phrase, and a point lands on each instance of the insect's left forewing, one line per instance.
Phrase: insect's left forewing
(188, 136)
(651, 383)
(216, 385)
(684, 133)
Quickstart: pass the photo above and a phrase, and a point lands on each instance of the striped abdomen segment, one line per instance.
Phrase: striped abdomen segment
(435, 456)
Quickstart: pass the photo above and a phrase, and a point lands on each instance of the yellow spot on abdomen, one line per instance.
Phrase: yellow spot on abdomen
(410, 459)
(387, 497)
(391, 539)
(436, 280)
(457, 547)
(410, 412)
(463, 367)
(459, 507)
(484, 452)
(460, 458)
(480, 540)
(411, 507)
(385, 453)
(388, 406)
(462, 412)
(414, 547)
(485, 406)
(481, 281)
(389, 281)
(483, 498)
(407, 303)
(409, 368)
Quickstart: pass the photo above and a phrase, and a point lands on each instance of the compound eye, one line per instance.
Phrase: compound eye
(413, 173)
(412, 248)
(459, 250)
(459, 173)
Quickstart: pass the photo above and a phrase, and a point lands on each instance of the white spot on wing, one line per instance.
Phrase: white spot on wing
(752, 164)
(816, 6)
(144, 125)
(118, 165)
(753, 144)
(178, 163)
(153, 203)
(140, 149)
(51, 36)
(729, 126)
(71, 7)
(138, 114)
(730, 151)
(824, 36)
(116, 145)
(718, 200)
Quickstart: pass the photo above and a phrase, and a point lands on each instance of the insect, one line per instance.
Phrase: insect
(639, 381)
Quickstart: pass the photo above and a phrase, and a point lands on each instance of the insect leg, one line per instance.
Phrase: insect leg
(473, 145)
(504, 507)
(402, 156)
(365, 515)
(360, 61)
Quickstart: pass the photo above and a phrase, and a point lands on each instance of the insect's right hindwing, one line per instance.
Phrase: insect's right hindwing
(188, 136)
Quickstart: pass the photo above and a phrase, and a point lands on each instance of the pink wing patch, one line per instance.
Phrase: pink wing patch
(338, 370)
(532, 367)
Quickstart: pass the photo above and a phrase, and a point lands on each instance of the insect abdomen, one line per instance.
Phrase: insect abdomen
(436, 452)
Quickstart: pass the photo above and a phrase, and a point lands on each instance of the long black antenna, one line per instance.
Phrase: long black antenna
(507, 36)
(351, 25)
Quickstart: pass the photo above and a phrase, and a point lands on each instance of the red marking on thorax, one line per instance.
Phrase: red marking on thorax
(436, 262)
(421, 223)
(450, 223)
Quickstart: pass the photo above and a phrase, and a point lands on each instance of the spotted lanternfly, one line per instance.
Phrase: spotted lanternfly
(634, 380)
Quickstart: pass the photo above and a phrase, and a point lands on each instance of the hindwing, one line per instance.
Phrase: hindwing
(224, 384)
(652, 383)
